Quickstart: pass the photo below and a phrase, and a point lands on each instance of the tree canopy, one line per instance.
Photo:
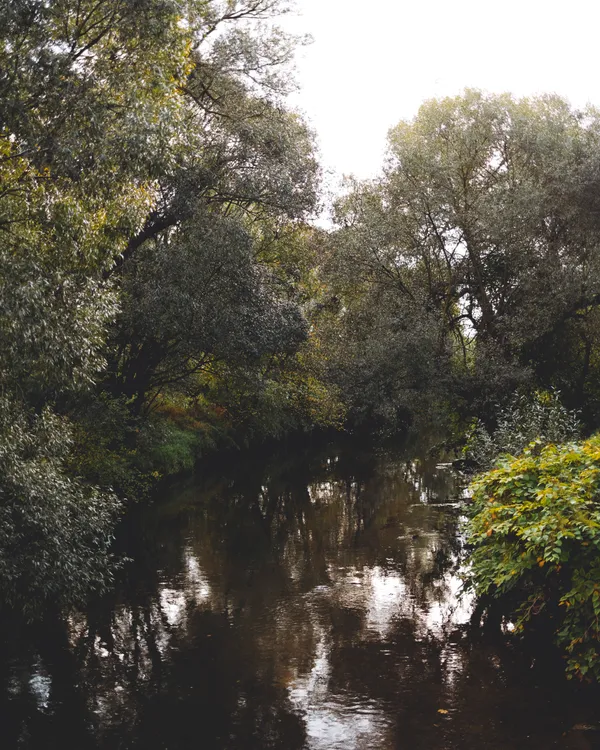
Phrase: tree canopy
(484, 223)
(144, 146)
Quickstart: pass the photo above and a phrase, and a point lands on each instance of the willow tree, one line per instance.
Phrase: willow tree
(124, 126)
(485, 223)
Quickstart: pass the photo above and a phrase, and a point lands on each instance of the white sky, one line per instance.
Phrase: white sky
(374, 61)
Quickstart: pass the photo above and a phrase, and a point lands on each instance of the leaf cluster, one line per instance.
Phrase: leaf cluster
(526, 418)
(534, 528)
(55, 531)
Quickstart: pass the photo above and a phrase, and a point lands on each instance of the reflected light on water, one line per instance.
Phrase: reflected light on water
(317, 607)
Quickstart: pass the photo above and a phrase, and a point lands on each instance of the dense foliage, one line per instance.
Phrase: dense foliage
(535, 528)
(469, 269)
(55, 531)
(146, 157)
(540, 417)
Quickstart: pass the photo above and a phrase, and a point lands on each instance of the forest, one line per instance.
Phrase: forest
(167, 293)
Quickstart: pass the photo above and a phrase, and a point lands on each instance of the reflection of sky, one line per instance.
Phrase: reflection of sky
(384, 595)
(338, 725)
(386, 598)
(338, 721)
(195, 589)
(322, 492)
(452, 607)
(40, 684)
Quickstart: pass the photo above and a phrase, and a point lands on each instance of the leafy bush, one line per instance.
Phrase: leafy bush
(104, 452)
(127, 453)
(535, 535)
(541, 417)
(55, 530)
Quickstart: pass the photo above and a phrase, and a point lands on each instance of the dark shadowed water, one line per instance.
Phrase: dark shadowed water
(309, 600)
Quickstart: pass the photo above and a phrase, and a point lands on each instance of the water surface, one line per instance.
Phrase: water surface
(308, 599)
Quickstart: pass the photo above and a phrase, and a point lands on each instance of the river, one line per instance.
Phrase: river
(310, 598)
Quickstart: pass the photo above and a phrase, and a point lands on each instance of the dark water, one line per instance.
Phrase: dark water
(309, 601)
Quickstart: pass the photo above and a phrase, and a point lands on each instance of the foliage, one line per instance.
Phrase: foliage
(196, 299)
(178, 433)
(138, 140)
(55, 532)
(385, 351)
(105, 449)
(169, 449)
(540, 417)
(483, 228)
(286, 394)
(535, 533)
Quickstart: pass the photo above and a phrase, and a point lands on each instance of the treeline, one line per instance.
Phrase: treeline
(156, 262)
(165, 292)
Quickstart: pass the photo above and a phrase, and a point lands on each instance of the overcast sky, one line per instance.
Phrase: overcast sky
(373, 62)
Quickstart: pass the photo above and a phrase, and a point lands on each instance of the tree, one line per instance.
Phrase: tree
(485, 217)
(195, 298)
(127, 128)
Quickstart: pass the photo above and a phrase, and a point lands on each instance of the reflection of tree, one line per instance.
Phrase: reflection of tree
(39, 674)
(261, 600)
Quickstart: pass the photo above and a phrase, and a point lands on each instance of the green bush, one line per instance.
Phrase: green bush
(56, 531)
(534, 529)
(178, 450)
(540, 416)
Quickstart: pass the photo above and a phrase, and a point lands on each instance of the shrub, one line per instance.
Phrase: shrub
(535, 533)
(527, 418)
(55, 530)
